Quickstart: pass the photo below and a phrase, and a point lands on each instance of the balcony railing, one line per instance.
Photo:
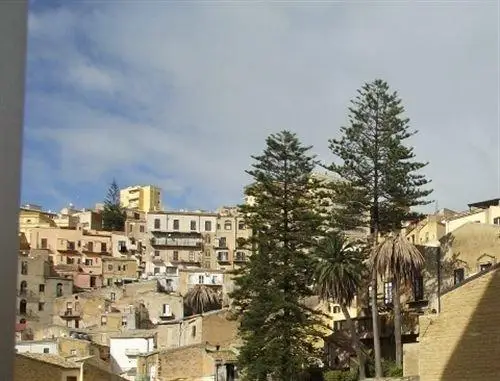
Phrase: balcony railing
(223, 256)
(176, 242)
(70, 313)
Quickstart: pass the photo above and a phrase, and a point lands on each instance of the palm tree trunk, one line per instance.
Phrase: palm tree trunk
(356, 343)
(375, 323)
(397, 322)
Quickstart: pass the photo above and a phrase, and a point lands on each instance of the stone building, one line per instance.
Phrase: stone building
(38, 287)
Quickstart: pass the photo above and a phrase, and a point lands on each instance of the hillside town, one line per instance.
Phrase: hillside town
(152, 302)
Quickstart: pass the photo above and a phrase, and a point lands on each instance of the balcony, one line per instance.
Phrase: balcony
(70, 313)
(223, 256)
(177, 242)
(240, 257)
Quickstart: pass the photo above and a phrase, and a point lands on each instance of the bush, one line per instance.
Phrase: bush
(339, 375)
(390, 369)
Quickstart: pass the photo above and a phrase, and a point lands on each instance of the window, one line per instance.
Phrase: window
(176, 225)
(208, 226)
(207, 239)
(110, 267)
(166, 310)
(88, 262)
(485, 266)
(44, 243)
(137, 216)
(157, 253)
(336, 310)
(388, 292)
(336, 326)
(193, 225)
(104, 320)
(46, 350)
(222, 242)
(122, 246)
(156, 270)
(23, 287)
(103, 247)
(90, 247)
(141, 228)
(124, 267)
(191, 256)
(41, 288)
(24, 268)
(59, 289)
(113, 296)
(496, 221)
(459, 276)
(119, 268)
(41, 306)
(71, 378)
(73, 352)
(176, 255)
(241, 225)
(201, 279)
(124, 321)
(418, 288)
(157, 223)
(228, 225)
(207, 253)
(193, 331)
(70, 246)
(109, 282)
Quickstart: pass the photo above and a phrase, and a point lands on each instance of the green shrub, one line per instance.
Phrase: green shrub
(390, 369)
(339, 375)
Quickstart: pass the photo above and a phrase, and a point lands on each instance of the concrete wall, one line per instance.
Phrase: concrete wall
(462, 343)
(37, 347)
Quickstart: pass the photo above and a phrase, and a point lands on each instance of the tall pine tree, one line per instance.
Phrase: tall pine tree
(380, 179)
(276, 326)
(113, 215)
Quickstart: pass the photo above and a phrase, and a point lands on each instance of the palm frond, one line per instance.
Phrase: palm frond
(397, 257)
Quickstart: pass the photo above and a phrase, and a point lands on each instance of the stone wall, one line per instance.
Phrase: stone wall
(462, 343)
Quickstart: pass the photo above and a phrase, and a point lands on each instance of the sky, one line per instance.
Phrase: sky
(181, 94)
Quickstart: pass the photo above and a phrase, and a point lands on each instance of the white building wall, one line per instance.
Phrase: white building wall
(120, 347)
(37, 347)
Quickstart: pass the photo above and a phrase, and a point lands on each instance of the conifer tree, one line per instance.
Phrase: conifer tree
(277, 327)
(379, 176)
(113, 215)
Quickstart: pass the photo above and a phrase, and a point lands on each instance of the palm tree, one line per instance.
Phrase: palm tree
(202, 298)
(401, 261)
(338, 276)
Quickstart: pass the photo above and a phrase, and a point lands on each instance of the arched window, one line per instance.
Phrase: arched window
(23, 289)
(241, 225)
(227, 225)
(22, 307)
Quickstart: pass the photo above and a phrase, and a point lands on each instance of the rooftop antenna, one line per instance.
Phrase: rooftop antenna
(436, 203)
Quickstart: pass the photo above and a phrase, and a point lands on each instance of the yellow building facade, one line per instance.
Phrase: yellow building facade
(146, 198)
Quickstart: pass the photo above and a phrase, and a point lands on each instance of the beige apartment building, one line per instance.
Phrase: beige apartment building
(483, 212)
(74, 252)
(38, 287)
(178, 240)
(32, 216)
(229, 246)
(145, 198)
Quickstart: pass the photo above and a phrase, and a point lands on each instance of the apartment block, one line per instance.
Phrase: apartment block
(145, 198)
(230, 250)
(119, 270)
(75, 252)
(38, 286)
(32, 216)
(483, 212)
(177, 239)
